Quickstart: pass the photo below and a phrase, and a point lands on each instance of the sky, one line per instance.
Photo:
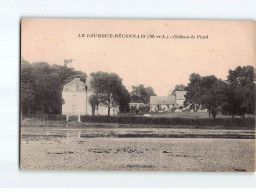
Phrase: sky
(159, 63)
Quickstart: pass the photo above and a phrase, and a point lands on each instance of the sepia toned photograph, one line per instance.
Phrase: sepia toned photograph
(137, 95)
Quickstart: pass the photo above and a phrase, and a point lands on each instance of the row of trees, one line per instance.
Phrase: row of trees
(234, 96)
(42, 84)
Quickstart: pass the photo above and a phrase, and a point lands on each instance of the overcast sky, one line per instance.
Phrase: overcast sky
(159, 63)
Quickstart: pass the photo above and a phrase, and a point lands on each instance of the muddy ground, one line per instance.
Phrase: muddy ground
(137, 149)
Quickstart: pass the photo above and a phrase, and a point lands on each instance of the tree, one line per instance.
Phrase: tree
(212, 95)
(140, 94)
(42, 84)
(241, 81)
(27, 95)
(205, 92)
(108, 90)
(193, 96)
(180, 87)
(231, 104)
(66, 62)
(93, 100)
(123, 99)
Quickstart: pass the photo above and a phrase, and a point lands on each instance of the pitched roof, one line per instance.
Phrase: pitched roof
(162, 100)
(170, 93)
(74, 85)
(180, 95)
(75, 81)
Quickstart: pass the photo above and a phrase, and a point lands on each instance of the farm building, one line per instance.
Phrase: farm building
(76, 95)
(167, 103)
(161, 103)
(180, 98)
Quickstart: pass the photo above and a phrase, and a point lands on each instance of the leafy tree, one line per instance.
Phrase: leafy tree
(27, 95)
(236, 96)
(93, 100)
(231, 104)
(140, 94)
(241, 81)
(109, 90)
(193, 96)
(212, 95)
(180, 87)
(205, 92)
(42, 84)
(123, 99)
(66, 62)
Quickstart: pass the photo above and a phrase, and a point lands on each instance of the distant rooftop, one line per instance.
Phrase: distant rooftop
(170, 93)
(162, 100)
(75, 81)
(180, 95)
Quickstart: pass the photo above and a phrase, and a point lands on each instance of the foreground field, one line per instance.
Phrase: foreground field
(105, 150)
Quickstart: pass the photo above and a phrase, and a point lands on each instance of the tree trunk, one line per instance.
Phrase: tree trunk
(93, 110)
(108, 110)
(213, 116)
(28, 111)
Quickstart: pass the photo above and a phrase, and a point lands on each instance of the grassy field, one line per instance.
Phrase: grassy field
(102, 149)
(185, 115)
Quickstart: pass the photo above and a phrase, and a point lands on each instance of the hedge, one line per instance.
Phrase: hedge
(226, 123)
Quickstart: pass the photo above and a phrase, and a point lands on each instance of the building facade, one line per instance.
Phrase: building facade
(76, 95)
(174, 102)
(161, 103)
(75, 98)
(180, 98)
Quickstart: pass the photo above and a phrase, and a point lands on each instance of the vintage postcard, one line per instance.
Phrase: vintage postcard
(137, 95)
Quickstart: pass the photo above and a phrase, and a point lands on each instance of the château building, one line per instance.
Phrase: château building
(76, 95)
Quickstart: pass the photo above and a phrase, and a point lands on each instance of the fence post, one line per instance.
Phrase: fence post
(79, 118)
(67, 117)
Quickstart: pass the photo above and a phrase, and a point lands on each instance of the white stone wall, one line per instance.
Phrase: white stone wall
(74, 103)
